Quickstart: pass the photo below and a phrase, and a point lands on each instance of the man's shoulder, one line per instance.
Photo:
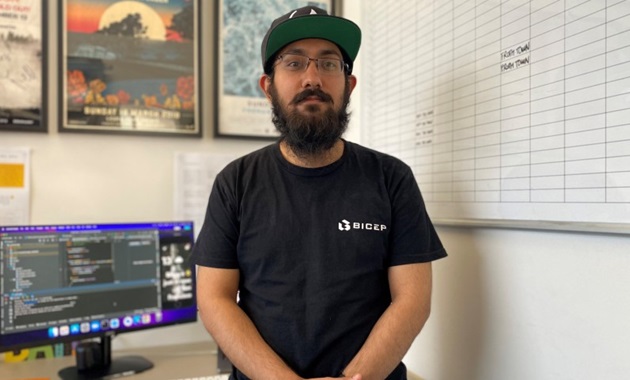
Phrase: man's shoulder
(261, 153)
(264, 154)
(368, 155)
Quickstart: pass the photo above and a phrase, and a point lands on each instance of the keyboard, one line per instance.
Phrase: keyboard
(222, 376)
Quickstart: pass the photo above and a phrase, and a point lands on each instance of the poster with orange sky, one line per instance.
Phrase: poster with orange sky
(130, 66)
(22, 65)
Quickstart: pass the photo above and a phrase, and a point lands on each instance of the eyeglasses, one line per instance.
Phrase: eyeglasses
(299, 63)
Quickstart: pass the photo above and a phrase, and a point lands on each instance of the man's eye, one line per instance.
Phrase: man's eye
(329, 65)
(293, 64)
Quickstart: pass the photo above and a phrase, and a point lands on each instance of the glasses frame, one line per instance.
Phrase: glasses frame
(343, 67)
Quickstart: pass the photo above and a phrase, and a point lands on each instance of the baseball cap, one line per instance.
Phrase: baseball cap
(311, 22)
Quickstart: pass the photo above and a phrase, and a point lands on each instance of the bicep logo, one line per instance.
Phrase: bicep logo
(345, 225)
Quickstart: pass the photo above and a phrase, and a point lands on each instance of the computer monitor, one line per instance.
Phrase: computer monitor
(79, 282)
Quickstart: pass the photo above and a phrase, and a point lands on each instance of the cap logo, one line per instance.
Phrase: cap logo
(295, 11)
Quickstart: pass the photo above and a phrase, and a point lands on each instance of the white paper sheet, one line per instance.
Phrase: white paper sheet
(194, 176)
(15, 186)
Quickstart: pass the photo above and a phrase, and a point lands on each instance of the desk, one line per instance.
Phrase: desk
(169, 362)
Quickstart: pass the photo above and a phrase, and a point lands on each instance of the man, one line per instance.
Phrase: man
(326, 243)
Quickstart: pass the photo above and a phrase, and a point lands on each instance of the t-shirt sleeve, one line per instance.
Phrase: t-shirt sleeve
(413, 238)
(218, 237)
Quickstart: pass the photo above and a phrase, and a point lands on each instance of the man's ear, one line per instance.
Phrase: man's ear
(352, 83)
(264, 82)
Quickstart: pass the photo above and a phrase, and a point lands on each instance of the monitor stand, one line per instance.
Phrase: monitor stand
(94, 361)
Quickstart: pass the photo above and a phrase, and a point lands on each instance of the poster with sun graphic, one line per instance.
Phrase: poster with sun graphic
(130, 67)
(22, 65)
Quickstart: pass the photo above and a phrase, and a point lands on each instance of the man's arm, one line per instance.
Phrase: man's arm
(395, 331)
(232, 329)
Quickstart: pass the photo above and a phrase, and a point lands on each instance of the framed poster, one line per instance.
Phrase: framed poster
(130, 67)
(23, 68)
(242, 110)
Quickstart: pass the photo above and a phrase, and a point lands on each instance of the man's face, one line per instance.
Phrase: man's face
(309, 107)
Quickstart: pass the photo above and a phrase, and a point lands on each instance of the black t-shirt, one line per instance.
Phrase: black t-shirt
(313, 247)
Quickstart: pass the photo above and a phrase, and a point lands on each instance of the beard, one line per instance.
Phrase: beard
(311, 133)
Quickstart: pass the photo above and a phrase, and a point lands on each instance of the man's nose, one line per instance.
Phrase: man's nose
(311, 77)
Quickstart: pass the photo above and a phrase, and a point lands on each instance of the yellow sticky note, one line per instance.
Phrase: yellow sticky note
(11, 175)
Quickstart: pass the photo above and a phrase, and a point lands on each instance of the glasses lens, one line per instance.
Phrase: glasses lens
(294, 62)
(330, 65)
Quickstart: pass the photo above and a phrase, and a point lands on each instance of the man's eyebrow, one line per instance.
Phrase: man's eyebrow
(322, 53)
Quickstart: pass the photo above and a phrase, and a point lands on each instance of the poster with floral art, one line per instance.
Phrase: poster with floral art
(242, 109)
(23, 65)
(130, 67)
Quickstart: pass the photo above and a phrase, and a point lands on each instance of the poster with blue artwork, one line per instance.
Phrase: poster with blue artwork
(242, 109)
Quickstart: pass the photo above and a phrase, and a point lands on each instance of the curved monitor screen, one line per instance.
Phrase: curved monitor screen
(72, 282)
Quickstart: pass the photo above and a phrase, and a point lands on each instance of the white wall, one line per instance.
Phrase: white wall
(525, 304)
(522, 304)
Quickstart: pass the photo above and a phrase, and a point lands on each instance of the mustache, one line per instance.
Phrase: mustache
(312, 92)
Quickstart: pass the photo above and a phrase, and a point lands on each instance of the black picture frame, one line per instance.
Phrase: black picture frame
(133, 73)
(24, 68)
(241, 109)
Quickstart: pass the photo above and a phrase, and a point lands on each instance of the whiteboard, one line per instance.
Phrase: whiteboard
(513, 112)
